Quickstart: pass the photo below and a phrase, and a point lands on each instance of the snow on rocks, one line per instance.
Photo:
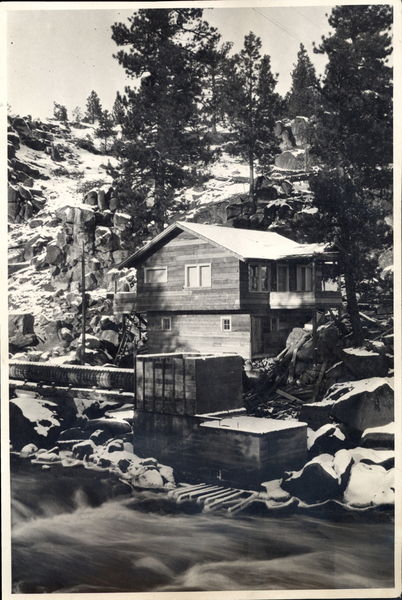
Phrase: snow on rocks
(357, 404)
(356, 479)
(370, 485)
(103, 443)
(322, 478)
(364, 363)
(327, 439)
(379, 437)
(33, 420)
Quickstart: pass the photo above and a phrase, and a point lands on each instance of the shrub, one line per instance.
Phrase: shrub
(86, 144)
(87, 186)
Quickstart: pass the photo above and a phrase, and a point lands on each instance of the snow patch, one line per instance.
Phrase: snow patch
(37, 412)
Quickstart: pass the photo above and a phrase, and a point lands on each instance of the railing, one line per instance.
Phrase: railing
(304, 299)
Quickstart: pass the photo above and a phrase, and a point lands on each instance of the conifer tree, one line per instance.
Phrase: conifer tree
(303, 96)
(94, 108)
(119, 110)
(105, 129)
(77, 114)
(162, 123)
(252, 106)
(353, 139)
(215, 60)
(59, 112)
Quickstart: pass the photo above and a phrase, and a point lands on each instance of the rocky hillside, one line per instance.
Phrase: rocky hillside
(62, 204)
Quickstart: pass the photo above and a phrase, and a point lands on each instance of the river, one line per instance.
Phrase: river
(69, 534)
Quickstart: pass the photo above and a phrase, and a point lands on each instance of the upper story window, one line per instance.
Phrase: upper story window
(304, 278)
(282, 277)
(155, 275)
(259, 278)
(197, 275)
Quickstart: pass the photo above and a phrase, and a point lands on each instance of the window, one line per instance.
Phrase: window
(259, 278)
(226, 324)
(155, 275)
(304, 278)
(282, 272)
(166, 324)
(274, 324)
(198, 276)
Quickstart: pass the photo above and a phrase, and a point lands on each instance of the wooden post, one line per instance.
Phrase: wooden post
(314, 315)
(83, 306)
(153, 384)
(174, 383)
(163, 382)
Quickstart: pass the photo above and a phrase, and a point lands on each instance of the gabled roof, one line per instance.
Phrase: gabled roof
(246, 244)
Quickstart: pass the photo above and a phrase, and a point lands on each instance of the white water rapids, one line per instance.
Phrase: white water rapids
(68, 537)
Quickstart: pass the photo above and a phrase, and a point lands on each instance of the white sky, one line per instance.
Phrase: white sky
(58, 55)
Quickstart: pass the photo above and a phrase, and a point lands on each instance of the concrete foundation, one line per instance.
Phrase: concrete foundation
(237, 450)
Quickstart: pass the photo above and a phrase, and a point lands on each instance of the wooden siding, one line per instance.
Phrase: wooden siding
(184, 250)
(199, 332)
(187, 384)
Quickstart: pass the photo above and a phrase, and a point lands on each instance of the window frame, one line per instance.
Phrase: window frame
(259, 277)
(286, 266)
(299, 278)
(169, 319)
(149, 269)
(229, 319)
(198, 266)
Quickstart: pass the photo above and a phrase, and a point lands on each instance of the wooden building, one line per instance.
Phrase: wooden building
(214, 289)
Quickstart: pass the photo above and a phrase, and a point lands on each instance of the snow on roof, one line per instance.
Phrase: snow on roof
(244, 243)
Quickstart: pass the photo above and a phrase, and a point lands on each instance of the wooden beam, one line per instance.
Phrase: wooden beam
(292, 366)
(319, 380)
(289, 396)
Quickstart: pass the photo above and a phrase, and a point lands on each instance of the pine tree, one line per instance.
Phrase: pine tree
(105, 129)
(119, 110)
(303, 96)
(162, 122)
(251, 104)
(354, 139)
(94, 107)
(77, 114)
(59, 112)
(215, 60)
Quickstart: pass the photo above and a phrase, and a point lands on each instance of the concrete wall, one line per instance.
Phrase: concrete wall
(199, 453)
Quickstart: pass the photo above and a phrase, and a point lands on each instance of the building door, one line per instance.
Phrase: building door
(257, 336)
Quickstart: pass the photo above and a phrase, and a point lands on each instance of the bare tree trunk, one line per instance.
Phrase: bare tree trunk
(251, 165)
(352, 306)
(159, 194)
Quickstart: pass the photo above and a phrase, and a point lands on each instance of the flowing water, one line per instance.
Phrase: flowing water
(68, 535)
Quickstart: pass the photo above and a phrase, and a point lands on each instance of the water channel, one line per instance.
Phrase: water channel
(70, 535)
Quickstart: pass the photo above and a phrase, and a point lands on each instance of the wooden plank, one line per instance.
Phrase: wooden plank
(292, 366)
(143, 384)
(153, 382)
(163, 380)
(288, 396)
